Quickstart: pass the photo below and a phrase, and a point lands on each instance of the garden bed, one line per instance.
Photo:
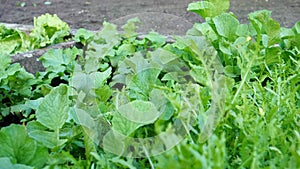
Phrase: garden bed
(224, 95)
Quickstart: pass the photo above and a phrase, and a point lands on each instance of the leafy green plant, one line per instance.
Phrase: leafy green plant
(226, 95)
(48, 29)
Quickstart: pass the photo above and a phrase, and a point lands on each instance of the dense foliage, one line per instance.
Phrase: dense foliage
(227, 92)
(48, 29)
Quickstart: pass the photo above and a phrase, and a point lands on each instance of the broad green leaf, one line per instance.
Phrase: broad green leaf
(264, 24)
(104, 93)
(136, 63)
(143, 82)
(209, 8)
(286, 33)
(86, 82)
(27, 107)
(130, 27)
(225, 47)
(113, 141)
(139, 111)
(242, 30)
(82, 82)
(124, 126)
(125, 50)
(108, 34)
(232, 71)
(102, 46)
(273, 55)
(164, 56)
(18, 80)
(157, 39)
(53, 111)
(199, 75)
(5, 163)
(83, 118)
(84, 36)
(207, 31)
(99, 78)
(47, 138)
(170, 77)
(170, 63)
(162, 104)
(129, 67)
(296, 27)
(226, 25)
(91, 64)
(33, 104)
(58, 60)
(20, 148)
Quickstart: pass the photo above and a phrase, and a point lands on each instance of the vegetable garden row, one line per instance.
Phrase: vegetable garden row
(225, 95)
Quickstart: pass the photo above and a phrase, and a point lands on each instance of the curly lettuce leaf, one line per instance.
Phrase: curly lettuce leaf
(49, 29)
(13, 41)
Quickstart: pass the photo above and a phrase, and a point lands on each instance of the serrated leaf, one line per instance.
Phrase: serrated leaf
(49, 29)
(53, 111)
(13, 41)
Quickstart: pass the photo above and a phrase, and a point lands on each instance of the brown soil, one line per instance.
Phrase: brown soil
(165, 16)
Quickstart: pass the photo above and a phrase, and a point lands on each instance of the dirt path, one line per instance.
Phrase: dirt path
(165, 16)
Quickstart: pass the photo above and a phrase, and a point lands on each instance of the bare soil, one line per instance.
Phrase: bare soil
(164, 16)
